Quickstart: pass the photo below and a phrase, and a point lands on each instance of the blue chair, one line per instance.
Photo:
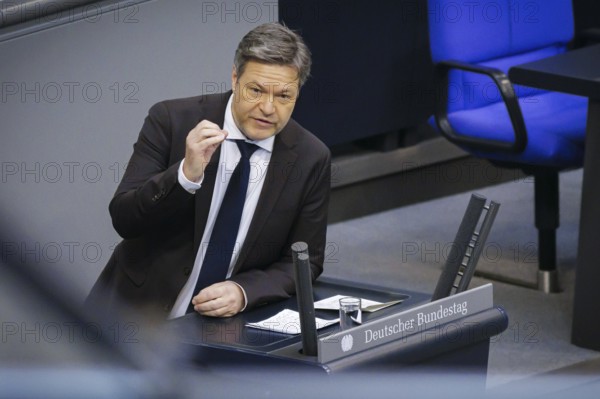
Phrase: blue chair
(473, 45)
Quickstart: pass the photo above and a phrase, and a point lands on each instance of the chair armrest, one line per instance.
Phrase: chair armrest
(508, 95)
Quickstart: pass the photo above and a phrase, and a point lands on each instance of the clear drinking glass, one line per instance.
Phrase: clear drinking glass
(350, 313)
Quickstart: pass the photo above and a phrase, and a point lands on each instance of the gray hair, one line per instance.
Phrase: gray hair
(273, 43)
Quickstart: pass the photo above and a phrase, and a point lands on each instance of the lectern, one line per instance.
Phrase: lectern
(452, 328)
(450, 332)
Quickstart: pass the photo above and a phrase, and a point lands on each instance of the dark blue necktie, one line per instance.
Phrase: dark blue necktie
(222, 239)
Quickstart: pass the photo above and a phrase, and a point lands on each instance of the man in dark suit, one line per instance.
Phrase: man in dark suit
(167, 205)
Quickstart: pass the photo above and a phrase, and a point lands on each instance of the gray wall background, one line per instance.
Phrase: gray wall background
(72, 100)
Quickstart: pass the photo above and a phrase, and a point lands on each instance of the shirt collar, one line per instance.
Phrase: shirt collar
(236, 134)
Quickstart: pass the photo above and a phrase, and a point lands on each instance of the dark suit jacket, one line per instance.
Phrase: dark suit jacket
(162, 224)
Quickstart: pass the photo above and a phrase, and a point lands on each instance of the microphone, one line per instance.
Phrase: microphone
(304, 295)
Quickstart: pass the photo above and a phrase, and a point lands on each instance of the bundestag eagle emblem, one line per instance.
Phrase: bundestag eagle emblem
(347, 342)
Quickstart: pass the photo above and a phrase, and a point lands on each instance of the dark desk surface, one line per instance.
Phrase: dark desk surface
(575, 72)
(233, 333)
(578, 72)
(222, 344)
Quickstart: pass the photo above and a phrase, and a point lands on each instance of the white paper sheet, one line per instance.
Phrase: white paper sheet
(288, 322)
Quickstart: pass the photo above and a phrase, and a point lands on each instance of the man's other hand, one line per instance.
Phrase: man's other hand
(222, 299)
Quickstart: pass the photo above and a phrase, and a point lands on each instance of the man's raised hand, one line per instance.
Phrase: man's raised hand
(200, 145)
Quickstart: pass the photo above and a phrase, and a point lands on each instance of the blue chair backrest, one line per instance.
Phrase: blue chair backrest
(495, 33)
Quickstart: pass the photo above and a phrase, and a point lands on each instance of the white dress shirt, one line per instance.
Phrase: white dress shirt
(230, 156)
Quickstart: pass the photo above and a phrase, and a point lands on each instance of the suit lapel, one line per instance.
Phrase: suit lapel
(281, 164)
(214, 112)
(204, 198)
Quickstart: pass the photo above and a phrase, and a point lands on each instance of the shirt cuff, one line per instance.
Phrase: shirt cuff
(245, 297)
(188, 185)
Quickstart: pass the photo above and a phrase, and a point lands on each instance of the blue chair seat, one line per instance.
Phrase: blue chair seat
(555, 125)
